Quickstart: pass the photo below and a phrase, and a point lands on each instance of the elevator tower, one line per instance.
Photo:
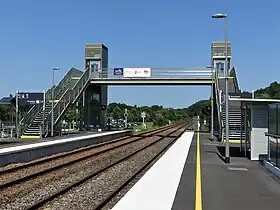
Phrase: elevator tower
(95, 97)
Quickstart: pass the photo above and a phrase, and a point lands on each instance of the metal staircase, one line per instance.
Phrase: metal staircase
(33, 123)
(235, 116)
(234, 122)
(70, 96)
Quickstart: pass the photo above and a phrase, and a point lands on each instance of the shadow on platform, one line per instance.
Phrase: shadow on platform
(233, 151)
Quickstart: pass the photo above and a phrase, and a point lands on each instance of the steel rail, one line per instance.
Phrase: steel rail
(65, 189)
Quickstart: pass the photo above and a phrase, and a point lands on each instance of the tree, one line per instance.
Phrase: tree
(71, 115)
(160, 120)
(117, 112)
(272, 91)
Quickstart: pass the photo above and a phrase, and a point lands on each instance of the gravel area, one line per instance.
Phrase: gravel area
(49, 164)
(22, 195)
(89, 194)
(116, 198)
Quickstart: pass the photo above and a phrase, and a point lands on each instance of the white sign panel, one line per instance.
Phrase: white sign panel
(137, 72)
(143, 114)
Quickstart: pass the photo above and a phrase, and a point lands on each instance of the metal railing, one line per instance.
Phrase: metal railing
(219, 106)
(81, 84)
(62, 85)
(232, 73)
(157, 73)
(70, 96)
(7, 131)
(30, 116)
(245, 128)
(59, 108)
(273, 148)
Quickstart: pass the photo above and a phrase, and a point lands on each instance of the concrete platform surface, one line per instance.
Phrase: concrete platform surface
(30, 151)
(242, 184)
(193, 175)
(157, 188)
(12, 142)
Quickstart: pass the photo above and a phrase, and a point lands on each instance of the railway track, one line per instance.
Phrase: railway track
(47, 171)
(11, 168)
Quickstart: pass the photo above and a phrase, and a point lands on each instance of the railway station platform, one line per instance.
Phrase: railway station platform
(193, 175)
(12, 142)
(28, 150)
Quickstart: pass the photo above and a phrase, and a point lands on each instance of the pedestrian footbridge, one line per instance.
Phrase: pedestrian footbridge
(69, 91)
(81, 87)
(156, 76)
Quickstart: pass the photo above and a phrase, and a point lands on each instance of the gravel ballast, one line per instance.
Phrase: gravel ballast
(49, 164)
(91, 193)
(22, 195)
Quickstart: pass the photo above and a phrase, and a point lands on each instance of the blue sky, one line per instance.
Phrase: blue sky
(38, 35)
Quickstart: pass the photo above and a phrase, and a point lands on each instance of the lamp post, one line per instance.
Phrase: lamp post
(52, 120)
(225, 17)
(212, 101)
(17, 118)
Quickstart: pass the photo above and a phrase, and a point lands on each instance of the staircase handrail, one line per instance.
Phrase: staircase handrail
(65, 98)
(48, 119)
(218, 100)
(27, 115)
(218, 96)
(68, 97)
(233, 74)
(78, 89)
(30, 116)
(60, 86)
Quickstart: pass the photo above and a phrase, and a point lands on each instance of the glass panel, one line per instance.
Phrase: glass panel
(278, 119)
(278, 153)
(272, 149)
(272, 128)
(94, 53)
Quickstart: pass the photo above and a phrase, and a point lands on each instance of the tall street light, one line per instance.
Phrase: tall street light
(52, 120)
(225, 17)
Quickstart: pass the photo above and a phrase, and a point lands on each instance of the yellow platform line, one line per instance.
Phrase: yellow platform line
(198, 192)
(30, 137)
(55, 101)
(234, 141)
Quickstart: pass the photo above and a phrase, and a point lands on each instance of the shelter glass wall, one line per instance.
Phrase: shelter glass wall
(274, 134)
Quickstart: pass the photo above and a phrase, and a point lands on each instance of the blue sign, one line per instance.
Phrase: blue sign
(118, 71)
(30, 98)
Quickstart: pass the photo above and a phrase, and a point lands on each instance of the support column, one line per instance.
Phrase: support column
(92, 109)
(246, 129)
(81, 110)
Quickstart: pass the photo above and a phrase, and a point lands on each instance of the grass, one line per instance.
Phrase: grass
(139, 128)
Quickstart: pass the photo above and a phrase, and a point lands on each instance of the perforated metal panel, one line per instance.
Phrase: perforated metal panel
(259, 122)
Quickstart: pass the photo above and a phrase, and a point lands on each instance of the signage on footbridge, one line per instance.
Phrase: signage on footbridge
(152, 76)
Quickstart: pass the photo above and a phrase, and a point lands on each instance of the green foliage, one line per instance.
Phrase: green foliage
(157, 114)
(71, 115)
(272, 91)
(7, 113)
